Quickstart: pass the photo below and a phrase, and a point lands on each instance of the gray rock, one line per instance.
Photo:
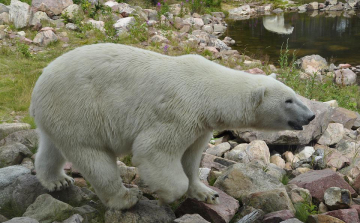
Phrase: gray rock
(72, 26)
(73, 195)
(76, 218)
(302, 8)
(88, 213)
(219, 150)
(218, 28)
(215, 162)
(191, 218)
(313, 6)
(337, 198)
(4, 18)
(50, 7)
(13, 154)
(331, 2)
(270, 200)
(29, 138)
(240, 179)
(338, 7)
(218, 14)
(8, 128)
(3, 8)
(38, 17)
(124, 23)
(312, 63)
(311, 132)
(142, 212)
(208, 28)
(332, 135)
(26, 189)
(278, 10)
(22, 220)
(178, 22)
(44, 38)
(345, 77)
(292, 220)
(47, 209)
(19, 14)
(72, 11)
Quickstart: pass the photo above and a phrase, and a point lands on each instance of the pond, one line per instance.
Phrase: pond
(334, 36)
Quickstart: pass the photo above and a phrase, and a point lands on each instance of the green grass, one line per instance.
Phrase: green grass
(304, 210)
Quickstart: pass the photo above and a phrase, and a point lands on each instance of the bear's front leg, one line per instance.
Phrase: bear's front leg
(191, 163)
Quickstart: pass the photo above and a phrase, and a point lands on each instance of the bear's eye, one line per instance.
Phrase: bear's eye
(289, 101)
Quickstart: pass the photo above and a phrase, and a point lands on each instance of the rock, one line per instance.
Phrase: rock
(336, 159)
(218, 28)
(4, 18)
(277, 160)
(238, 154)
(229, 41)
(198, 23)
(292, 220)
(7, 176)
(332, 103)
(300, 195)
(317, 181)
(343, 66)
(76, 218)
(88, 213)
(38, 17)
(143, 212)
(19, 14)
(13, 154)
(29, 138)
(275, 171)
(336, 198)
(311, 132)
(175, 9)
(278, 216)
(255, 71)
(71, 11)
(204, 174)
(239, 12)
(314, 62)
(320, 218)
(289, 157)
(178, 23)
(322, 208)
(191, 218)
(337, 7)
(312, 6)
(214, 162)
(219, 150)
(208, 28)
(73, 195)
(47, 209)
(45, 38)
(127, 174)
(8, 128)
(185, 29)
(356, 124)
(270, 200)
(277, 10)
(305, 153)
(72, 26)
(332, 135)
(345, 77)
(50, 7)
(347, 215)
(240, 179)
(125, 9)
(218, 14)
(331, 2)
(22, 220)
(124, 24)
(26, 189)
(97, 24)
(158, 39)
(3, 8)
(302, 8)
(28, 163)
(344, 116)
(222, 212)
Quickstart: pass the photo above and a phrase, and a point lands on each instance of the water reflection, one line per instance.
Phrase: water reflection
(276, 24)
(333, 35)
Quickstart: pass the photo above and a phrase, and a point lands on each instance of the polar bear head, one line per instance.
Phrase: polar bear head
(278, 107)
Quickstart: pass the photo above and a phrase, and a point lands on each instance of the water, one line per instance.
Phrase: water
(335, 36)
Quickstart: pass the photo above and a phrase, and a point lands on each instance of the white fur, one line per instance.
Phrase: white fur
(99, 101)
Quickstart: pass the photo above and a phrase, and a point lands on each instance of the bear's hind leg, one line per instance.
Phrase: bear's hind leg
(98, 166)
(49, 164)
(191, 163)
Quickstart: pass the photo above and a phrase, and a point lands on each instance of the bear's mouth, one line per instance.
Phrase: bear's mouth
(295, 126)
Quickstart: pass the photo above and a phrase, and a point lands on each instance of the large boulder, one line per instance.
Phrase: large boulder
(245, 153)
(13, 154)
(344, 116)
(345, 77)
(318, 181)
(311, 132)
(312, 64)
(241, 179)
(29, 138)
(8, 128)
(50, 7)
(337, 198)
(332, 135)
(8, 176)
(47, 209)
(190, 218)
(143, 212)
(38, 17)
(19, 14)
(45, 37)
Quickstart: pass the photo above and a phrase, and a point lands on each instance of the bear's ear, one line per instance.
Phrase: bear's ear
(258, 96)
(273, 75)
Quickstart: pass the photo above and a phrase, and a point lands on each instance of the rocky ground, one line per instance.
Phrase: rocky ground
(290, 176)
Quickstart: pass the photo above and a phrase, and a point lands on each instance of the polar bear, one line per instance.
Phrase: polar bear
(99, 101)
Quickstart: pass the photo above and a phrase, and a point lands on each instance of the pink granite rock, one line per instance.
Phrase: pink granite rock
(278, 216)
(318, 181)
(347, 215)
(220, 213)
(50, 7)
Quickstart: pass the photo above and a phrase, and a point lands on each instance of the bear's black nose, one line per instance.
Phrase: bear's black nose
(311, 118)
